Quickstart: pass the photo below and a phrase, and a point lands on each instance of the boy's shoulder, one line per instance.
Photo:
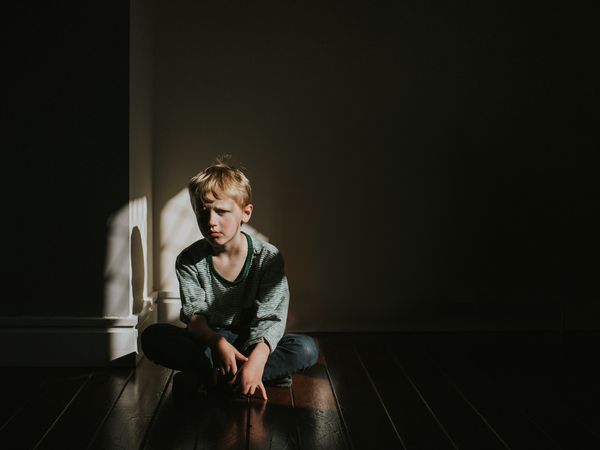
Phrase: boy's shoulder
(262, 247)
(194, 253)
(267, 255)
(265, 251)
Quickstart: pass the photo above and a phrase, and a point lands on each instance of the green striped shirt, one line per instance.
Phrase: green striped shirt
(255, 305)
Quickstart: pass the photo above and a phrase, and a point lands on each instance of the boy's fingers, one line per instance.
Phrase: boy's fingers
(240, 356)
(252, 389)
(263, 391)
(233, 380)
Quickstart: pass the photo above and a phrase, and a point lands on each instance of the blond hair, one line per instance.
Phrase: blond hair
(220, 178)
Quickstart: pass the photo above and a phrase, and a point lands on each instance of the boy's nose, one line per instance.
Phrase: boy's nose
(212, 219)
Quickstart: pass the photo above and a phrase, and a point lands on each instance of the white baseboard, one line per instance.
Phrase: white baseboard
(74, 341)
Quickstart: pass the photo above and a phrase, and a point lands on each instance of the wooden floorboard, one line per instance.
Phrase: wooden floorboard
(385, 390)
(497, 405)
(364, 416)
(536, 386)
(225, 426)
(20, 384)
(219, 421)
(212, 420)
(581, 368)
(42, 410)
(174, 427)
(413, 420)
(130, 418)
(79, 423)
(462, 423)
(272, 423)
(319, 423)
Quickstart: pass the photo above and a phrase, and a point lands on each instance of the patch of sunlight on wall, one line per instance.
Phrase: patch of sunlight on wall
(126, 259)
(178, 229)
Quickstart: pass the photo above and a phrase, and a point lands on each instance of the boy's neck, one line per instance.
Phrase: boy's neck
(235, 247)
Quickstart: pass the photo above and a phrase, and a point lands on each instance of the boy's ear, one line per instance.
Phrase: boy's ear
(247, 212)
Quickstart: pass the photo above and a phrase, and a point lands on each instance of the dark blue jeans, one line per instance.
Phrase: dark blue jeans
(174, 347)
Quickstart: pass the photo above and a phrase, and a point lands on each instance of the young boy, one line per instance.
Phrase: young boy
(234, 296)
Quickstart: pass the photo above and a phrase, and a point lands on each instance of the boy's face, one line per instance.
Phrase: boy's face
(220, 220)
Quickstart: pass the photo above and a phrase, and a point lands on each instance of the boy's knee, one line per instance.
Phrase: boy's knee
(148, 341)
(306, 350)
(311, 350)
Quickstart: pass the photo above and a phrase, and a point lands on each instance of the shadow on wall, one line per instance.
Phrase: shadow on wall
(137, 270)
(126, 293)
(179, 229)
(125, 276)
(125, 270)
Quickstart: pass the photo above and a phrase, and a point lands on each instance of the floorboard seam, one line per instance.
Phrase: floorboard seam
(156, 409)
(518, 406)
(296, 416)
(414, 386)
(387, 413)
(23, 404)
(103, 421)
(337, 402)
(471, 405)
(64, 410)
(248, 423)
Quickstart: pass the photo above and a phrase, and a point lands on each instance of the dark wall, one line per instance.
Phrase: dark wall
(69, 158)
(430, 160)
(441, 156)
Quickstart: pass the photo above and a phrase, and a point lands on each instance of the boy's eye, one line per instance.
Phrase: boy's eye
(203, 210)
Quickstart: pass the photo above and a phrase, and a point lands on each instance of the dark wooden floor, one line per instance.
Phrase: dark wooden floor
(368, 391)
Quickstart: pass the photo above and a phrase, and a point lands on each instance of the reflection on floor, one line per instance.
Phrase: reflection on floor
(368, 391)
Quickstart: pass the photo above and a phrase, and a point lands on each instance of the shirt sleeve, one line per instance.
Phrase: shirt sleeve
(193, 296)
(271, 306)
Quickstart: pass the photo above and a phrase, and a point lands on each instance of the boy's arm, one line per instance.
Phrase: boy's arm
(193, 303)
(193, 297)
(268, 324)
(252, 371)
(198, 327)
(266, 327)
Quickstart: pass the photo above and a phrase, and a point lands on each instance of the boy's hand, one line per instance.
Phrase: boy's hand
(226, 358)
(249, 377)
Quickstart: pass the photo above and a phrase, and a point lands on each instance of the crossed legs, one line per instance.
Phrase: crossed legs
(174, 347)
